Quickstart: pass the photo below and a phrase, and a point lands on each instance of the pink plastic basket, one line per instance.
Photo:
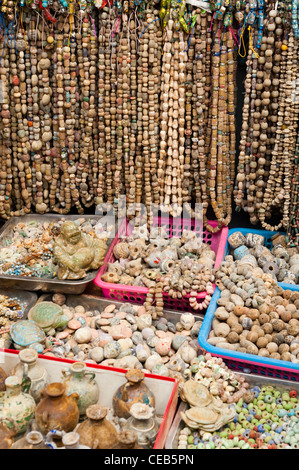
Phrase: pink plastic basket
(174, 228)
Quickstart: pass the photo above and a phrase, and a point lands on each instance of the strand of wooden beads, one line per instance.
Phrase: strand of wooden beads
(292, 236)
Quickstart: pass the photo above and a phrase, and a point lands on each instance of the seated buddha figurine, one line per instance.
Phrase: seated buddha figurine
(76, 252)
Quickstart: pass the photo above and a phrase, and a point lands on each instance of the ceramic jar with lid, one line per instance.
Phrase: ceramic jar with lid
(96, 431)
(134, 391)
(81, 381)
(29, 367)
(143, 423)
(15, 405)
(56, 410)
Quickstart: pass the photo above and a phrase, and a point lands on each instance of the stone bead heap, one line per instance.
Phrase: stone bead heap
(254, 315)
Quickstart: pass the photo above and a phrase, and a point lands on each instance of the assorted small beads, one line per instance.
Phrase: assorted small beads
(266, 418)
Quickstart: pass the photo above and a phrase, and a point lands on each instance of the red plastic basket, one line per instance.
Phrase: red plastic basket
(174, 228)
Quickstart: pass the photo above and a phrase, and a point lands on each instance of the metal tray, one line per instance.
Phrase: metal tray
(253, 379)
(38, 283)
(91, 302)
(28, 299)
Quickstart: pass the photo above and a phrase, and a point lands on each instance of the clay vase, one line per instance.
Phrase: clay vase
(3, 377)
(32, 440)
(28, 367)
(7, 434)
(143, 423)
(15, 405)
(56, 410)
(134, 391)
(127, 440)
(81, 381)
(96, 431)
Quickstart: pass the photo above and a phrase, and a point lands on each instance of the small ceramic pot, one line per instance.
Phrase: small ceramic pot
(96, 431)
(134, 391)
(143, 423)
(7, 433)
(56, 410)
(71, 441)
(28, 367)
(32, 440)
(81, 381)
(127, 439)
(15, 405)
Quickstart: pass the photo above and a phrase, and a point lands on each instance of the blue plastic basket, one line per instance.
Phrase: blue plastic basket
(268, 243)
(244, 362)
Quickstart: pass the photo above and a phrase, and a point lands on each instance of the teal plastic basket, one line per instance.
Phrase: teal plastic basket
(268, 243)
(243, 362)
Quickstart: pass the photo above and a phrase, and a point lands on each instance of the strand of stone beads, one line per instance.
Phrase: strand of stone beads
(270, 76)
(86, 155)
(72, 111)
(217, 129)
(5, 135)
(132, 103)
(254, 130)
(155, 50)
(55, 151)
(28, 102)
(285, 147)
(240, 182)
(45, 91)
(144, 54)
(33, 102)
(292, 236)
(113, 57)
(125, 74)
(198, 62)
(165, 102)
(15, 116)
(104, 72)
(186, 180)
(229, 135)
(92, 113)
(119, 127)
(69, 120)
(139, 160)
(24, 166)
(104, 88)
(231, 126)
(58, 119)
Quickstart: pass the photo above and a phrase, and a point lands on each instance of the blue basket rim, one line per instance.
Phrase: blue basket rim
(239, 356)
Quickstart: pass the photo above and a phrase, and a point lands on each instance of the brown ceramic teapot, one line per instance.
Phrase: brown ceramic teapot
(56, 410)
